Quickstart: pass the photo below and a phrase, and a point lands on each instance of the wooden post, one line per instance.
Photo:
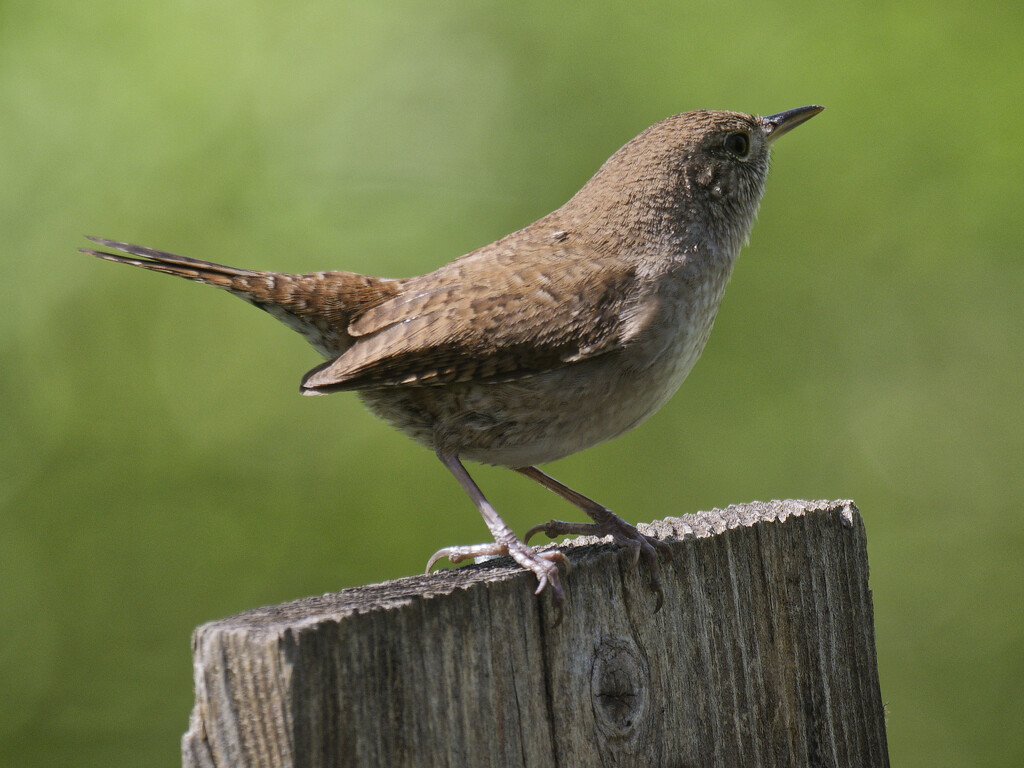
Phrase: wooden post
(763, 655)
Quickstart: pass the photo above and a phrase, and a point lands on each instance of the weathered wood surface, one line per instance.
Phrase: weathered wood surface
(763, 655)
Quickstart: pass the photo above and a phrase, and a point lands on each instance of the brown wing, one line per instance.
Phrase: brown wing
(493, 313)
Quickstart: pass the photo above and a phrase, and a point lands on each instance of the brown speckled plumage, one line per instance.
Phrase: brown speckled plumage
(556, 337)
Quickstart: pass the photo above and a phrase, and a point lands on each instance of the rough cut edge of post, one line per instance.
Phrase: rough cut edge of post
(388, 595)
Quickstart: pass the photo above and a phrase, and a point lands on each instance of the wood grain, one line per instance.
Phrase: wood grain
(763, 655)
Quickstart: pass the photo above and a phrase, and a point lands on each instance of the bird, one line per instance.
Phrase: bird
(564, 334)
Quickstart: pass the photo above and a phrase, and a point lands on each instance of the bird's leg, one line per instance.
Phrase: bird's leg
(544, 564)
(606, 523)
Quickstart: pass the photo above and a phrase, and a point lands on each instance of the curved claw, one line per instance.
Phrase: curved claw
(530, 533)
(441, 553)
(555, 556)
(458, 554)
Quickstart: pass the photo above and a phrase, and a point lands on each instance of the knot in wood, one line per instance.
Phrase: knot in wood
(619, 686)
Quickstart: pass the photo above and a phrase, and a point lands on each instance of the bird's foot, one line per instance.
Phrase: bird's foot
(621, 532)
(543, 563)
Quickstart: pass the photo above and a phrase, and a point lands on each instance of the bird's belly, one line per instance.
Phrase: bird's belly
(542, 417)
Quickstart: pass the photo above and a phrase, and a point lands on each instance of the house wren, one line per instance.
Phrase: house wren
(557, 337)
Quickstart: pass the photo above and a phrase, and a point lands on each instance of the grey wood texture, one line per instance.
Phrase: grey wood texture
(763, 655)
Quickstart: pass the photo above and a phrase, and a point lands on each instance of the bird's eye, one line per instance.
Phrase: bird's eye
(738, 144)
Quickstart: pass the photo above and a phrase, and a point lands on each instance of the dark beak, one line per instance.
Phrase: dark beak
(784, 122)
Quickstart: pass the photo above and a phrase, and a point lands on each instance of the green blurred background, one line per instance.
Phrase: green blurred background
(159, 468)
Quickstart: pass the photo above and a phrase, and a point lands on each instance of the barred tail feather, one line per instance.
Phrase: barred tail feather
(320, 306)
